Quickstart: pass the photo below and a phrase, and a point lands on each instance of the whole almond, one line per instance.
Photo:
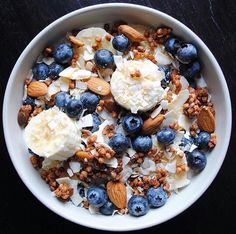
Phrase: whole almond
(37, 89)
(117, 194)
(131, 33)
(206, 120)
(98, 86)
(150, 125)
(24, 114)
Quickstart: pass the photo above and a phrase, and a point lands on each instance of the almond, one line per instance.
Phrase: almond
(150, 125)
(98, 86)
(24, 114)
(37, 89)
(117, 194)
(206, 120)
(131, 33)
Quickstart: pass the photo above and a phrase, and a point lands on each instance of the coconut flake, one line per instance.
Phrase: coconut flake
(164, 104)
(184, 121)
(156, 112)
(178, 102)
(126, 173)
(81, 85)
(76, 198)
(184, 83)
(171, 167)
(48, 164)
(100, 136)
(125, 161)
(85, 121)
(64, 84)
(113, 162)
(48, 60)
(80, 75)
(75, 166)
(170, 117)
(162, 57)
(201, 83)
(118, 61)
(70, 172)
(131, 152)
(93, 209)
(68, 72)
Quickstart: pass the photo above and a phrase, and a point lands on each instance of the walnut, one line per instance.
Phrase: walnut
(63, 191)
(109, 131)
(24, 114)
(194, 129)
(175, 77)
(35, 161)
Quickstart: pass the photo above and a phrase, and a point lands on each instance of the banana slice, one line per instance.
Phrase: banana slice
(137, 92)
(53, 135)
(88, 37)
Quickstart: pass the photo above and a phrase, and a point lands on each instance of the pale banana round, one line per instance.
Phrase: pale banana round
(53, 135)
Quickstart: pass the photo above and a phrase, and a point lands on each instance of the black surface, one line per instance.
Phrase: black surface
(213, 20)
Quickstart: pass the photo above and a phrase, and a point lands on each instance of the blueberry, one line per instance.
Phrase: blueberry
(62, 99)
(55, 69)
(187, 53)
(81, 191)
(120, 43)
(189, 71)
(138, 205)
(29, 101)
(90, 101)
(40, 71)
(142, 143)
(107, 209)
(196, 160)
(186, 143)
(203, 139)
(165, 81)
(132, 123)
(103, 58)
(74, 108)
(156, 197)
(63, 53)
(166, 136)
(96, 122)
(96, 196)
(172, 45)
(119, 143)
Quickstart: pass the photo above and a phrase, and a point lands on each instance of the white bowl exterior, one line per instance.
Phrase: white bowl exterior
(18, 150)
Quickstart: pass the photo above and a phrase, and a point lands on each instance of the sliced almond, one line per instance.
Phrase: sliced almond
(150, 126)
(98, 86)
(37, 89)
(206, 120)
(117, 194)
(131, 33)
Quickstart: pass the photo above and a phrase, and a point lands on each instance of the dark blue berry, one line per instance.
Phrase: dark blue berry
(90, 101)
(172, 45)
(119, 143)
(156, 197)
(187, 53)
(203, 139)
(96, 196)
(107, 209)
(138, 205)
(63, 53)
(29, 101)
(166, 136)
(55, 70)
(96, 122)
(62, 99)
(40, 71)
(186, 143)
(189, 71)
(165, 81)
(104, 58)
(120, 43)
(196, 160)
(132, 123)
(81, 191)
(74, 108)
(142, 143)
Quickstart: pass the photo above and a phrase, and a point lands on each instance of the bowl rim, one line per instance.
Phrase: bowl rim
(131, 6)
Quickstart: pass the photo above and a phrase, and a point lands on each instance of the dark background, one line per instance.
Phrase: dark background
(213, 20)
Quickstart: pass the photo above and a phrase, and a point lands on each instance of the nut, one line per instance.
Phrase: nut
(76, 41)
(131, 33)
(37, 89)
(150, 125)
(206, 120)
(117, 194)
(83, 154)
(24, 114)
(98, 86)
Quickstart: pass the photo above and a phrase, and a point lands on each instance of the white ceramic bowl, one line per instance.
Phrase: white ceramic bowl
(18, 150)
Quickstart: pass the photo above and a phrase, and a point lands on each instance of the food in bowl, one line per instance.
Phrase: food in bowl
(116, 118)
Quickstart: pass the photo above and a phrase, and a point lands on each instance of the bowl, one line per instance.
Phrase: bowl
(18, 151)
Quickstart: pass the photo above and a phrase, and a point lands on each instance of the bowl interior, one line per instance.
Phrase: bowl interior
(17, 147)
